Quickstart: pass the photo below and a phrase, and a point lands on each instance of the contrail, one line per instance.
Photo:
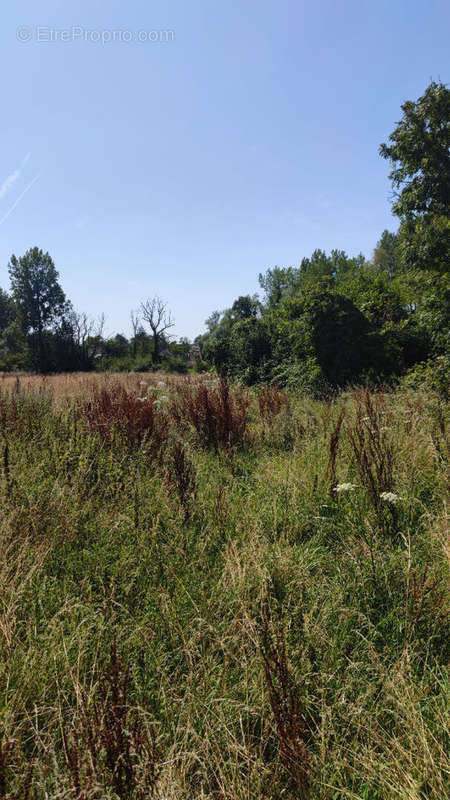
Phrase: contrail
(16, 202)
(8, 182)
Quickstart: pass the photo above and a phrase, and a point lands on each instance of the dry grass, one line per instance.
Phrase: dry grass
(173, 557)
(83, 385)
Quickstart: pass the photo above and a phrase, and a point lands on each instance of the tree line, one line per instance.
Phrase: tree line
(42, 332)
(332, 321)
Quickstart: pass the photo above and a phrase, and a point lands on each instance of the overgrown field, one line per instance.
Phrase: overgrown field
(210, 593)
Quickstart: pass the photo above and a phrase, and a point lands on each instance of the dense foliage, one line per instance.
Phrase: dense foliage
(334, 321)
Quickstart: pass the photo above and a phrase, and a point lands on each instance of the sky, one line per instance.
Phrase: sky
(173, 148)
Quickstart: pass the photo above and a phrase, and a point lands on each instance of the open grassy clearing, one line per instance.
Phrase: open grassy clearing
(210, 593)
(78, 384)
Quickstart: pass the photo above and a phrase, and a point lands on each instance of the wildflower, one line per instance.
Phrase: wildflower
(161, 385)
(161, 401)
(344, 487)
(390, 497)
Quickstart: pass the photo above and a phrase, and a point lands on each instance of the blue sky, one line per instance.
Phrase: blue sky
(185, 167)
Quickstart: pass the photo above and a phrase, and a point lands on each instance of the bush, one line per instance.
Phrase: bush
(174, 364)
(200, 366)
(433, 375)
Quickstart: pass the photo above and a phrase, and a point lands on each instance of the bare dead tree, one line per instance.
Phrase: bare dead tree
(100, 326)
(82, 326)
(93, 330)
(159, 319)
(135, 326)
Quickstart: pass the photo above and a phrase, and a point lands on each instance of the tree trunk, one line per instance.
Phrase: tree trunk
(156, 348)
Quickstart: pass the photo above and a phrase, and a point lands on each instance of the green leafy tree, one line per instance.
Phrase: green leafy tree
(276, 282)
(386, 256)
(250, 349)
(7, 310)
(13, 350)
(245, 307)
(433, 312)
(39, 298)
(324, 328)
(419, 151)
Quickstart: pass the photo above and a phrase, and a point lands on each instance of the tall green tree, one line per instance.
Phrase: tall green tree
(385, 255)
(13, 349)
(276, 282)
(326, 329)
(39, 298)
(7, 310)
(419, 151)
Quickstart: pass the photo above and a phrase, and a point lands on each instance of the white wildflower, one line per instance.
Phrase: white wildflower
(161, 385)
(161, 401)
(344, 487)
(390, 497)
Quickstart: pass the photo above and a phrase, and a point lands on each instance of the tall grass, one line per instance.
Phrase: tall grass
(134, 660)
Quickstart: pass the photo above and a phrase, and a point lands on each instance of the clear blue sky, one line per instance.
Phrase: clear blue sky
(184, 168)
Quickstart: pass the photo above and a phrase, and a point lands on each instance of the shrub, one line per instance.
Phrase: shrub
(175, 364)
(433, 375)
(200, 366)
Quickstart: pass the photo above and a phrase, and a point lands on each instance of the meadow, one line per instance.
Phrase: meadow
(213, 592)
